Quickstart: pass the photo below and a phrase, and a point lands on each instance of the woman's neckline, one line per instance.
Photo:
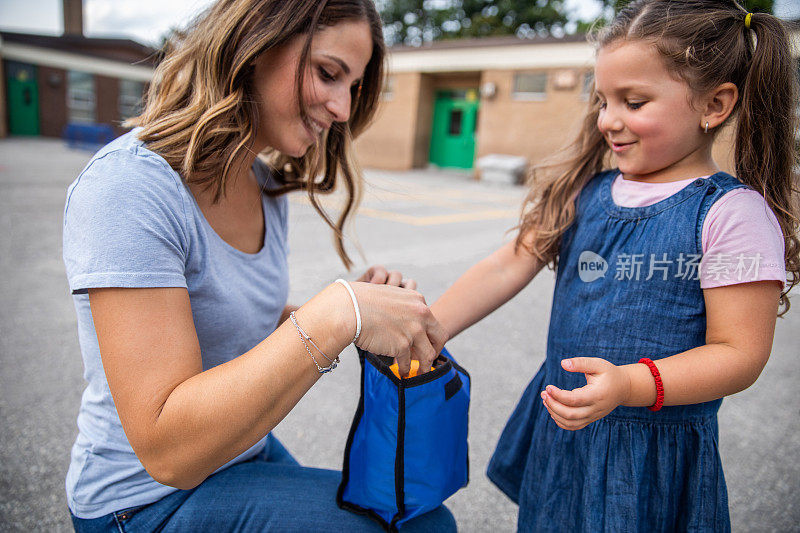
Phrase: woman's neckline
(261, 180)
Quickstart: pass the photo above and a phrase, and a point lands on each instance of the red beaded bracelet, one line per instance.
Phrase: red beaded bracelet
(659, 385)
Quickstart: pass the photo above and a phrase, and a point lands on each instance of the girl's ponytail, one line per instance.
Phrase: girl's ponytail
(766, 153)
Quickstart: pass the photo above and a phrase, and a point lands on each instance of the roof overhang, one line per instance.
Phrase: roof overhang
(71, 61)
(511, 57)
(514, 57)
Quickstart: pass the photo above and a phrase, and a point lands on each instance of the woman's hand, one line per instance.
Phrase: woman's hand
(607, 387)
(378, 274)
(397, 322)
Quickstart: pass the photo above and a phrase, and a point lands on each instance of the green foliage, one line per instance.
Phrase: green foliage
(414, 22)
(613, 6)
(759, 6)
(755, 6)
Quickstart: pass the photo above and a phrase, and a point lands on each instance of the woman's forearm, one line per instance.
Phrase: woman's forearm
(185, 423)
(216, 415)
(484, 287)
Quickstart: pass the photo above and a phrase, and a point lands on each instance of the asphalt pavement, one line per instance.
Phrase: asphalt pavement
(432, 226)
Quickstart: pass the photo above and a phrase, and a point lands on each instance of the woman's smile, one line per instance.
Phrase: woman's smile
(339, 56)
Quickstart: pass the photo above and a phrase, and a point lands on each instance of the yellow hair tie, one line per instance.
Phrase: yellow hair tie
(747, 20)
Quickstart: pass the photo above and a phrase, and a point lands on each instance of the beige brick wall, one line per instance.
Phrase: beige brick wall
(424, 124)
(533, 129)
(400, 136)
(390, 141)
(399, 139)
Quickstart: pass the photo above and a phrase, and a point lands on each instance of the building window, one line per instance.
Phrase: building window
(81, 98)
(130, 98)
(455, 122)
(588, 86)
(530, 86)
(388, 89)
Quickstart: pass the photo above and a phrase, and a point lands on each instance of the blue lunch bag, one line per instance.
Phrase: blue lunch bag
(407, 448)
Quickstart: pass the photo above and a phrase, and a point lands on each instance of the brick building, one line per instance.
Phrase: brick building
(50, 81)
(451, 102)
(447, 103)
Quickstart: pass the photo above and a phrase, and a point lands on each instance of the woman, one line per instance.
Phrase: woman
(175, 250)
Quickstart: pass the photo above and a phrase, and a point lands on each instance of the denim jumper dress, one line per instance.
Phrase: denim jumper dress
(627, 287)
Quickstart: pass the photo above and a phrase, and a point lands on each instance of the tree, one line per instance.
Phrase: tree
(413, 22)
(759, 6)
(610, 7)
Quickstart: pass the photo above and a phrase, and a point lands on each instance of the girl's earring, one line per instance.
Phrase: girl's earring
(706, 130)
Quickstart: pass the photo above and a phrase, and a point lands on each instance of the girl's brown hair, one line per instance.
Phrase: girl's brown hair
(201, 111)
(705, 43)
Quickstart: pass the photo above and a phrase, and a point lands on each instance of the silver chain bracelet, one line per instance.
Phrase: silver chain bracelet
(305, 337)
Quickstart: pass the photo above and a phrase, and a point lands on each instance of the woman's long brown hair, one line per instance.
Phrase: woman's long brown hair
(201, 112)
(705, 43)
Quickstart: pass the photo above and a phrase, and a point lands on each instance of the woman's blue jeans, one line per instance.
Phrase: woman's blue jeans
(270, 492)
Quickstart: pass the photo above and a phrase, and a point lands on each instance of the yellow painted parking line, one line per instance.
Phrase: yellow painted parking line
(429, 220)
(436, 199)
(442, 196)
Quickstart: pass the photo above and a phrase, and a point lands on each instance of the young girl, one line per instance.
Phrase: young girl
(635, 311)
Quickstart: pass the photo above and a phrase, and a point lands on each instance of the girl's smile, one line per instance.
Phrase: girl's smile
(647, 116)
(618, 147)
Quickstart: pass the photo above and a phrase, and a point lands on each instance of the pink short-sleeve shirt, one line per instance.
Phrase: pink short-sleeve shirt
(742, 240)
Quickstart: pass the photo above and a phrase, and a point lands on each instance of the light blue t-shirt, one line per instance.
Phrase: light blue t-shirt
(130, 221)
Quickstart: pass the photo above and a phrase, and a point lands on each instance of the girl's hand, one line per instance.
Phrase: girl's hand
(378, 274)
(398, 323)
(607, 387)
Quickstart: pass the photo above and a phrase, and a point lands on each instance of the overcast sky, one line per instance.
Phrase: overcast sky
(147, 20)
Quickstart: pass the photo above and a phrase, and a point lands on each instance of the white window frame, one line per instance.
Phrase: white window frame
(81, 103)
(387, 91)
(530, 96)
(129, 105)
(587, 85)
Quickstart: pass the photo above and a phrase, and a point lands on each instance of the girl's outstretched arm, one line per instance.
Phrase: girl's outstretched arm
(377, 274)
(740, 324)
(484, 287)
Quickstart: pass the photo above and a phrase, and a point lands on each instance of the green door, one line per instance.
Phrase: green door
(23, 99)
(455, 115)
